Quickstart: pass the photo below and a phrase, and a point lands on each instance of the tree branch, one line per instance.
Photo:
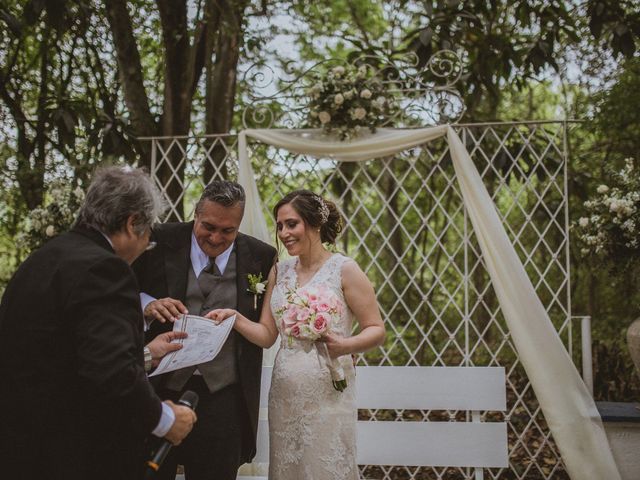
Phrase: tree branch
(135, 95)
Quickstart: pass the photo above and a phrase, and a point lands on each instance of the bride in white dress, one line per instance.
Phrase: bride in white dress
(312, 425)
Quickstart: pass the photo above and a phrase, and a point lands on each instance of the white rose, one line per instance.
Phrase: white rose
(324, 117)
(260, 288)
(603, 189)
(338, 99)
(50, 231)
(614, 205)
(366, 93)
(348, 94)
(359, 113)
(583, 222)
(307, 333)
(337, 71)
(381, 100)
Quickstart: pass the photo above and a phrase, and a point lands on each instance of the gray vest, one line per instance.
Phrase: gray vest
(210, 293)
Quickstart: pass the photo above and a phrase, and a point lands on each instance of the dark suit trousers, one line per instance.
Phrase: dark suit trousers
(212, 451)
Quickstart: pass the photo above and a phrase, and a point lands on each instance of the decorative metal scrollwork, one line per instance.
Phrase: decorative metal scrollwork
(427, 94)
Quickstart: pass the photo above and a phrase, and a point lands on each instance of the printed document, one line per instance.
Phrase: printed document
(204, 341)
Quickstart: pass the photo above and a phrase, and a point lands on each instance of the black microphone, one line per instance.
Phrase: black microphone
(188, 399)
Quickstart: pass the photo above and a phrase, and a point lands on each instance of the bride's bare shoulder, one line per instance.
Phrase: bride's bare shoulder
(350, 270)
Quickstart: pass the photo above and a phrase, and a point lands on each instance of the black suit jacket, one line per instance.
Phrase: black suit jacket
(163, 272)
(75, 402)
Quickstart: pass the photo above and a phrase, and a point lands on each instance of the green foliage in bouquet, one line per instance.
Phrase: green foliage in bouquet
(611, 231)
(55, 216)
(348, 99)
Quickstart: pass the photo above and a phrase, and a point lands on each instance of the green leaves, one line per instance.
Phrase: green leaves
(617, 23)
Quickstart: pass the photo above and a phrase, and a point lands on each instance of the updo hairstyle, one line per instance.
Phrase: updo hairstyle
(316, 212)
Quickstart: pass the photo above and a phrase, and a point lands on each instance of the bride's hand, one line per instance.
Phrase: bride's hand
(221, 314)
(336, 345)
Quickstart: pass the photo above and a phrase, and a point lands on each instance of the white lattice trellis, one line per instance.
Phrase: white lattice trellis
(407, 228)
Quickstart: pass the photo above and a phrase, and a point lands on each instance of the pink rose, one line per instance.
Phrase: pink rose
(295, 331)
(321, 306)
(290, 316)
(321, 323)
(303, 314)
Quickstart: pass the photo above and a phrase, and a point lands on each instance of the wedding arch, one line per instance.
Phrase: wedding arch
(521, 323)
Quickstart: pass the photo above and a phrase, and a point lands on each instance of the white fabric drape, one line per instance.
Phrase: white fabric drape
(565, 401)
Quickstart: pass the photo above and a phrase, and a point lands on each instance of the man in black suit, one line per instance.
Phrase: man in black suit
(76, 403)
(197, 267)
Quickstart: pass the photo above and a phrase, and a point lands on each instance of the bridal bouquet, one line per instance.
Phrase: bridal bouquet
(309, 314)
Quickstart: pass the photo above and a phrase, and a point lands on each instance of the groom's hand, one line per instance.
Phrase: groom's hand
(164, 309)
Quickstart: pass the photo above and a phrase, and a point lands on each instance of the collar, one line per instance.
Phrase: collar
(106, 237)
(199, 259)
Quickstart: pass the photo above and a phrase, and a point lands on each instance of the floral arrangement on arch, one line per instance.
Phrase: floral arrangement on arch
(55, 216)
(611, 230)
(348, 99)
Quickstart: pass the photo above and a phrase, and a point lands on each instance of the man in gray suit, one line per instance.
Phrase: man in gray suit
(197, 267)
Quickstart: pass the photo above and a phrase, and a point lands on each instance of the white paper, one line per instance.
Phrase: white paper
(204, 341)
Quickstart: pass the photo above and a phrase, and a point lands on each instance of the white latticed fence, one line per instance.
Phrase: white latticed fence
(407, 228)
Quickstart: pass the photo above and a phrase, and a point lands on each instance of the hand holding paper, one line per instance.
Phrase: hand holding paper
(204, 341)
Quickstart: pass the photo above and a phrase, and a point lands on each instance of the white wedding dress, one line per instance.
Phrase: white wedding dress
(312, 426)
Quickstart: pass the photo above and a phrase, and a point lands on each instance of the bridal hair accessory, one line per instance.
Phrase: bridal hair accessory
(257, 287)
(309, 314)
(324, 209)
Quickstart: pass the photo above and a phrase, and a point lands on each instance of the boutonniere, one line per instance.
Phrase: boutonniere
(257, 287)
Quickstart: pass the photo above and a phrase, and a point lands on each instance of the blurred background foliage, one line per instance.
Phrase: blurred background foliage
(82, 81)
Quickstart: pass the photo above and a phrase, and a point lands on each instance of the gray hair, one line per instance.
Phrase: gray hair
(115, 194)
(224, 192)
